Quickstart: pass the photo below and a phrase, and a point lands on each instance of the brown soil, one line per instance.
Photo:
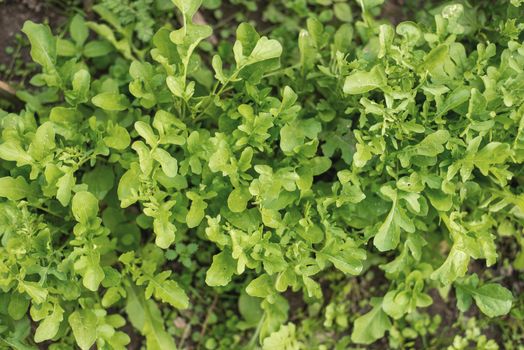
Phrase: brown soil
(13, 14)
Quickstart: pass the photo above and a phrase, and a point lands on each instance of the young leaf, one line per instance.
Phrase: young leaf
(48, 328)
(370, 326)
(43, 44)
(15, 189)
(79, 30)
(85, 207)
(111, 101)
(361, 81)
(168, 291)
(167, 162)
(84, 326)
(221, 270)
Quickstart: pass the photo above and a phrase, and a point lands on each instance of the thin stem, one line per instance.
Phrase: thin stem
(253, 339)
(48, 211)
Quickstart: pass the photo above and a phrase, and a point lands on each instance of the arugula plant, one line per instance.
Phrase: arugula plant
(356, 144)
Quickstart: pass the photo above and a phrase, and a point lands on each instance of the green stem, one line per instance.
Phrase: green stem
(253, 339)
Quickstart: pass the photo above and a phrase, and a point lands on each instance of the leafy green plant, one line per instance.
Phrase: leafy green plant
(137, 179)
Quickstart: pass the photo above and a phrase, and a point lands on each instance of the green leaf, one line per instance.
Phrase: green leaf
(99, 181)
(89, 267)
(441, 201)
(188, 7)
(85, 207)
(12, 151)
(293, 135)
(18, 305)
(455, 266)
(43, 142)
(196, 213)
(265, 49)
(493, 299)
(111, 101)
(117, 138)
(238, 199)
(167, 162)
(164, 230)
(388, 234)
(371, 326)
(261, 287)
(435, 58)
(145, 131)
(361, 82)
(366, 5)
(78, 29)
(129, 186)
(48, 328)
(249, 308)
(347, 259)
(169, 291)
(343, 11)
(146, 317)
(284, 338)
(43, 44)
(221, 270)
(97, 48)
(65, 185)
(15, 189)
(493, 153)
(84, 326)
(37, 293)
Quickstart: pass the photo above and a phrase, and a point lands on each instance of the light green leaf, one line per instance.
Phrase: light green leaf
(43, 142)
(84, 326)
(187, 7)
(167, 162)
(117, 138)
(129, 186)
(371, 326)
(146, 317)
(196, 213)
(97, 48)
(12, 151)
(284, 339)
(78, 29)
(221, 270)
(388, 234)
(15, 189)
(37, 293)
(145, 131)
(65, 185)
(48, 328)
(85, 207)
(435, 58)
(455, 266)
(238, 199)
(343, 11)
(260, 287)
(43, 44)
(361, 81)
(366, 5)
(170, 292)
(111, 101)
(164, 231)
(265, 49)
